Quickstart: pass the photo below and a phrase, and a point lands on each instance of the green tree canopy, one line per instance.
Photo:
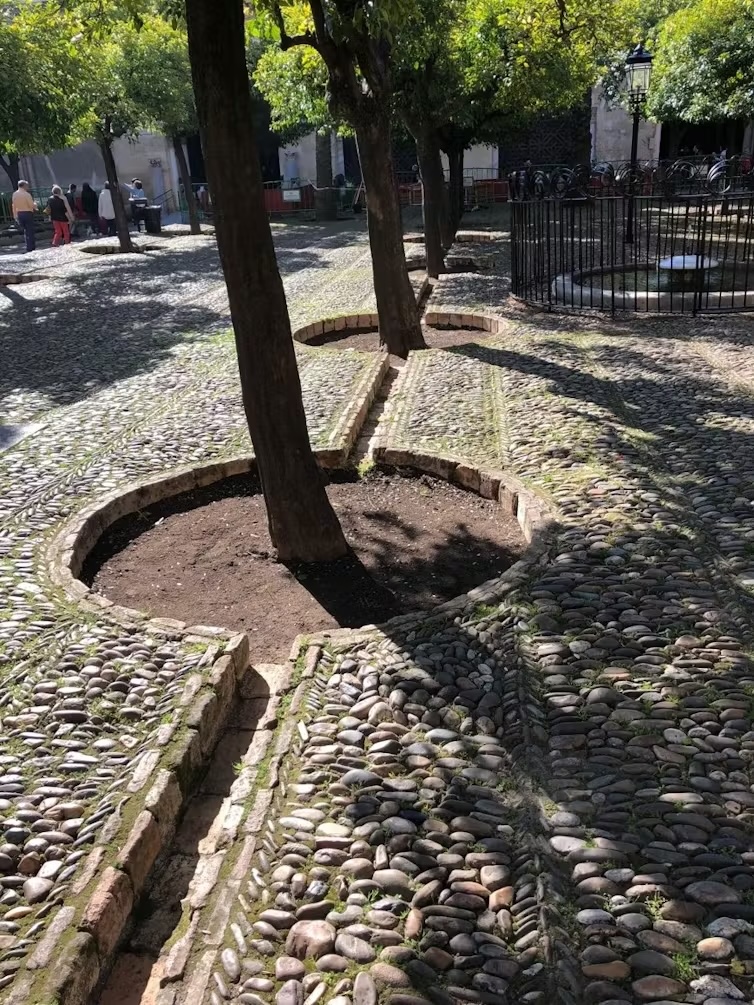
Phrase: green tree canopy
(156, 76)
(470, 62)
(704, 62)
(41, 80)
(294, 83)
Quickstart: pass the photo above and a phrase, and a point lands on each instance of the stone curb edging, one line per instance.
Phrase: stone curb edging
(349, 425)
(112, 249)
(479, 236)
(491, 323)
(359, 322)
(15, 278)
(367, 321)
(192, 957)
(82, 940)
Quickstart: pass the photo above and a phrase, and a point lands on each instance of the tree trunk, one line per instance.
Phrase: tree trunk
(10, 166)
(324, 195)
(434, 201)
(121, 220)
(400, 330)
(455, 161)
(183, 171)
(747, 145)
(303, 525)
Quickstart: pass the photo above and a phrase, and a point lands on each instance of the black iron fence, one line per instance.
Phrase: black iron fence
(654, 240)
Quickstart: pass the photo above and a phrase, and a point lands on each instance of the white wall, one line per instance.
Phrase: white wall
(299, 160)
(480, 161)
(611, 133)
(150, 158)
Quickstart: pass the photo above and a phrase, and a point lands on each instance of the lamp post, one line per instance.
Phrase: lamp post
(638, 73)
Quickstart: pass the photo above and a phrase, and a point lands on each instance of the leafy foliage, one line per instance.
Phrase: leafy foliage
(294, 83)
(43, 73)
(704, 62)
(157, 76)
(469, 64)
(642, 19)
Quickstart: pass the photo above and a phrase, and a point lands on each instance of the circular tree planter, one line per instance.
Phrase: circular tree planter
(70, 549)
(114, 249)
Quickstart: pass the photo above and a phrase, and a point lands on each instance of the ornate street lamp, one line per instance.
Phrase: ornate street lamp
(638, 73)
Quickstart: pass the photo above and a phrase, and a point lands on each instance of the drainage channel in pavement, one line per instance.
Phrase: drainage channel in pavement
(185, 877)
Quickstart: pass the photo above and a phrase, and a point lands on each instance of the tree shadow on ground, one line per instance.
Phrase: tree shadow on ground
(604, 774)
(123, 315)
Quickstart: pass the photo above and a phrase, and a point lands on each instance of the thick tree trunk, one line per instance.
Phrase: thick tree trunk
(303, 525)
(434, 201)
(121, 220)
(455, 161)
(183, 171)
(9, 164)
(400, 330)
(324, 197)
(747, 145)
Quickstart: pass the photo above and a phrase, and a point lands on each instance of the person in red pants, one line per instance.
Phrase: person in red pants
(61, 214)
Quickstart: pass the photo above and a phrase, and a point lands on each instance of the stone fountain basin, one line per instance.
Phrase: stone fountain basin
(688, 263)
(592, 289)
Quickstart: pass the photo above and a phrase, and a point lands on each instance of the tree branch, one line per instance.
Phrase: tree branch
(290, 41)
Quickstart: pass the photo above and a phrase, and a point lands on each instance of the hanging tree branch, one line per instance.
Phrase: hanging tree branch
(290, 41)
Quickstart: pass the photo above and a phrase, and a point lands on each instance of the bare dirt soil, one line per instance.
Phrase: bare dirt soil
(206, 557)
(369, 341)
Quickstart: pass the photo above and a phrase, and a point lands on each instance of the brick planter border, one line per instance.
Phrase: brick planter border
(366, 321)
(482, 321)
(14, 278)
(194, 958)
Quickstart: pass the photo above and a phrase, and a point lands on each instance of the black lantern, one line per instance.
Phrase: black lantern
(638, 73)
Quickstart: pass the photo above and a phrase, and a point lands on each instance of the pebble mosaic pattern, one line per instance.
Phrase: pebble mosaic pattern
(122, 390)
(549, 797)
(472, 417)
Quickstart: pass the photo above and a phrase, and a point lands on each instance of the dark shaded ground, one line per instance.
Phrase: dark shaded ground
(369, 341)
(205, 558)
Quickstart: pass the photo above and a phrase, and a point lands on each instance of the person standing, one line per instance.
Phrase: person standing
(89, 207)
(61, 216)
(106, 209)
(24, 207)
(138, 202)
(72, 196)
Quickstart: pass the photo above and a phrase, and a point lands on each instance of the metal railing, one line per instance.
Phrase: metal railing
(701, 176)
(481, 186)
(40, 196)
(593, 239)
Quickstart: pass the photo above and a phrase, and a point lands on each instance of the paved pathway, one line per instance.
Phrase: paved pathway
(547, 795)
(116, 367)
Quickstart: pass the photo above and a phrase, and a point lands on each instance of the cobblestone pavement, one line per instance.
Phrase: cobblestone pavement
(548, 796)
(126, 365)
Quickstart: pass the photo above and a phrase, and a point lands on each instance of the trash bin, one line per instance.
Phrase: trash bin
(152, 219)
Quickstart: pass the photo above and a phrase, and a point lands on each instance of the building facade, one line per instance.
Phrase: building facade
(150, 157)
(611, 128)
